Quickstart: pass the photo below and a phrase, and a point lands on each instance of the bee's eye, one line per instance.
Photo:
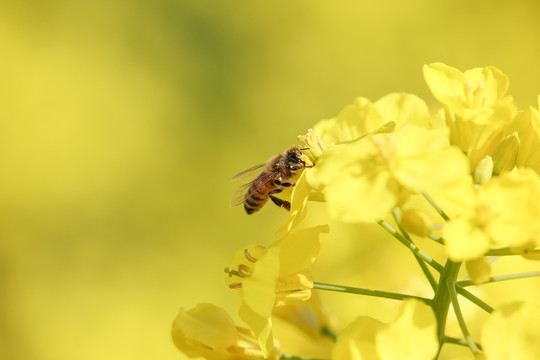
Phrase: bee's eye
(294, 158)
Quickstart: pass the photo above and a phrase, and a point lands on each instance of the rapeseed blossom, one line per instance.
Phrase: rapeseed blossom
(271, 277)
(208, 331)
(502, 213)
(465, 176)
(410, 336)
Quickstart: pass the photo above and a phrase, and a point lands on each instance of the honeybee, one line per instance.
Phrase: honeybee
(279, 172)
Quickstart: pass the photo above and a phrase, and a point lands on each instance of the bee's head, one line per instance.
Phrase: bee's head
(295, 160)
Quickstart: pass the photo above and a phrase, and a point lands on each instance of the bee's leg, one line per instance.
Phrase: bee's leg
(279, 202)
(285, 184)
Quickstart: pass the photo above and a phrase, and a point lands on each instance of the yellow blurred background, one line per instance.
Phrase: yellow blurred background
(122, 122)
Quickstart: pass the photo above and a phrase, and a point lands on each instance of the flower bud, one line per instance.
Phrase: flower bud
(482, 172)
(479, 270)
(505, 154)
(528, 250)
(416, 222)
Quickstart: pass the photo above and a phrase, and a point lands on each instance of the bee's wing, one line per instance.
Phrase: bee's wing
(241, 192)
(248, 172)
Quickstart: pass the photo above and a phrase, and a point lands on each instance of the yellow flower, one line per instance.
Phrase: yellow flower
(357, 341)
(364, 117)
(529, 136)
(476, 140)
(308, 316)
(276, 276)
(362, 181)
(208, 331)
(504, 212)
(512, 332)
(476, 95)
(358, 120)
(412, 335)
(476, 107)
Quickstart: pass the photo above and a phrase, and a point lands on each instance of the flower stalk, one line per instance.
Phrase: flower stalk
(442, 298)
(368, 292)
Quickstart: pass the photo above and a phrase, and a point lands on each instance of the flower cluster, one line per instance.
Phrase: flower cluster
(476, 162)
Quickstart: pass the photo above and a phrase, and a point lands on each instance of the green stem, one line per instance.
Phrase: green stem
(463, 342)
(368, 292)
(459, 316)
(508, 251)
(474, 299)
(423, 266)
(294, 357)
(499, 278)
(441, 300)
(436, 207)
(419, 253)
(436, 238)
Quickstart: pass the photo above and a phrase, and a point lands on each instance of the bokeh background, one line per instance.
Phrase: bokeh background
(122, 122)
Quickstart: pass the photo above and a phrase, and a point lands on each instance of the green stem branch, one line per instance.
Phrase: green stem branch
(368, 292)
(441, 300)
(459, 316)
(436, 207)
(436, 238)
(499, 278)
(508, 251)
(474, 299)
(423, 266)
(453, 340)
(419, 253)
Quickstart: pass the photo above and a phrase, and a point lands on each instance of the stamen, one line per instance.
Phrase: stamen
(235, 285)
(387, 148)
(243, 270)
(467, 91)
(322, 147)
(249, 257)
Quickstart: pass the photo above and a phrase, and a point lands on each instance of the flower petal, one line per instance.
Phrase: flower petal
(262, 326)
(512, 332)
(299, 249)
(404, 109)
(299, 198)
(413, 335)
(205, 329)
(355, 120)
(357, 340)
(464, 241)
(444, 81)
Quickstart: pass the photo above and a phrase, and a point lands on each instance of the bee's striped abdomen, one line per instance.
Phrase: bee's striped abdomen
(255, 199)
